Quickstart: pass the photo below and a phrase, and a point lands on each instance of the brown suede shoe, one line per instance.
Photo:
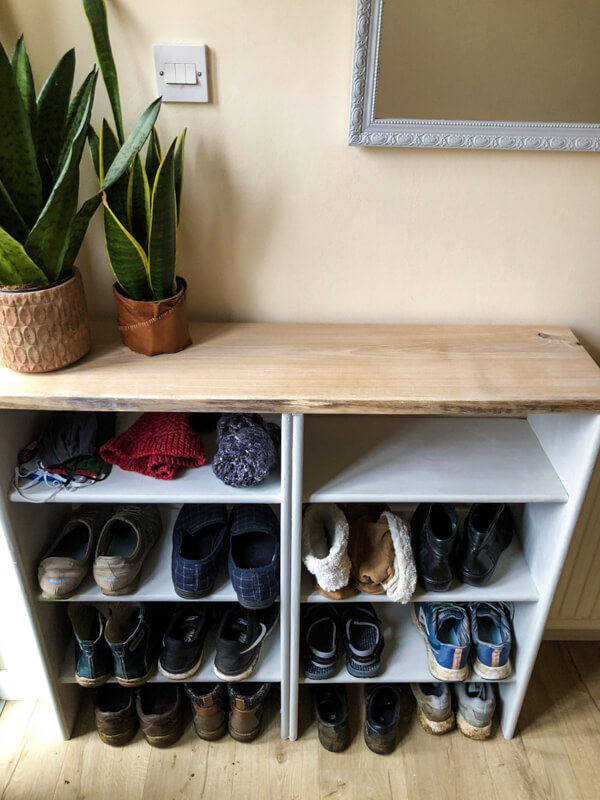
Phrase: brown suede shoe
(67, 562)
(115, 714)
(246, 701)
(208, 705)
(160, 711)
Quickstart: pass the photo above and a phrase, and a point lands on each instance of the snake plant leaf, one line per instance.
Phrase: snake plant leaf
(179, 154)
(77, 110)
(134, 143)
(138, 202)
(24, 76)
(94, 145)
(128, 261)
(16, 268)
(95, 11)
(153, 157)
(10, 219)
(52, 110)
(77, 232)
(162, 242)
(48, 239)
(117, 193)
(18, 163)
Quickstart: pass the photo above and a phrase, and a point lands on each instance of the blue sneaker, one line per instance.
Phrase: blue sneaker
(492, 639)
(254, 555)
(199, 539)
(445, 628)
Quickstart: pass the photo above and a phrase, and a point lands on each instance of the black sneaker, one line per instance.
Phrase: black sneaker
(182, 645)
(239, 639)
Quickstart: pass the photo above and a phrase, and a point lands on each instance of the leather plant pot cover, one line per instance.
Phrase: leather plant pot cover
(151, 327)
(44, 329)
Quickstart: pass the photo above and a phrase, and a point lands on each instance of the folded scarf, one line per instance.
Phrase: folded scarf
(157, 444)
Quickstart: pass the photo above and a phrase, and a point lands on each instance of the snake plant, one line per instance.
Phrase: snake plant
(141, 209)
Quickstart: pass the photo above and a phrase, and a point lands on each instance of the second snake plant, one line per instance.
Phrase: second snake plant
(142, 209)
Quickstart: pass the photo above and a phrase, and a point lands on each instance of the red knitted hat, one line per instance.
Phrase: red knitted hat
(157, 444)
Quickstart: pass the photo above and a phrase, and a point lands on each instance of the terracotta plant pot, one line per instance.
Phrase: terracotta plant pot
(152, 327)
(44, 329)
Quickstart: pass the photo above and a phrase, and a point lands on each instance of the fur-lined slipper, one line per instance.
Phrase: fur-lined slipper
(381, 554)
(325, 550)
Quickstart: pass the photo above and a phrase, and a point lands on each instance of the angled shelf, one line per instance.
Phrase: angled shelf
(510, 583)
(404, 658)
(412, 460)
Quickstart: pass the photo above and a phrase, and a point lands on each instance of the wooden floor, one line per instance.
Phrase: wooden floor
(556, 754)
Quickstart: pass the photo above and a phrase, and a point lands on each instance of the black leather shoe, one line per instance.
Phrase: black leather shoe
(434, 529)
(331, 713)
(382, 718)
(488, 532)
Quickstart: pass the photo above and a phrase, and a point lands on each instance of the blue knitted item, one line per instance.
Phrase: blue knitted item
(247, 449)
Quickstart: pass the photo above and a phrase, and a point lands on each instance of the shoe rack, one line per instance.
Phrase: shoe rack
(540, 464)
(31, 527)
(369, 413)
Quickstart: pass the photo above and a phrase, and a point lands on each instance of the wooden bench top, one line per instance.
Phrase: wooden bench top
(307, 368)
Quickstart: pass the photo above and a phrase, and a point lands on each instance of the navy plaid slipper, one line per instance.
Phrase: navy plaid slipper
(199, 539)
(254, 555)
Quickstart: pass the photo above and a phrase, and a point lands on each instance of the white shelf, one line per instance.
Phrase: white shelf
(267, 671)
(198, 485)
(399, 459)
(404, 658)
(511, 582)
(156, 584)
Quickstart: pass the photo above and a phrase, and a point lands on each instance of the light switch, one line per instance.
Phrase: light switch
(181, 75)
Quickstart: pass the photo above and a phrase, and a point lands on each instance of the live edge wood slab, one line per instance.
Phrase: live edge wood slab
(355, 369)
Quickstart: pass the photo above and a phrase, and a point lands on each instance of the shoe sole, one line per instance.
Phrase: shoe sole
(380, 743)
(492, 673)
(370, 672)
(442, 673)
(91, 683)
(211, 736)
(436, 727)
(243, 737)
(258, 605)
(118, 739)
(65, 596)
(250, 669)
(471, 731)
(165, 741)
(129, 589)
(181, 676)
(134, 682)
(192, 595)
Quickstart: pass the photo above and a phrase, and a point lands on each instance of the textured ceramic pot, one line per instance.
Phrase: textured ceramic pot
(44, 329)
(152, 327)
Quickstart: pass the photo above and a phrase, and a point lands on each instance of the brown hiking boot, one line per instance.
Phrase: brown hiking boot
(246, 701)
(208, 705)
(124, 543)
(115, 714)
(160, 711)
(67, 562)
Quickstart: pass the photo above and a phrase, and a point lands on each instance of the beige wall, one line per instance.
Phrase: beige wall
(283, 221)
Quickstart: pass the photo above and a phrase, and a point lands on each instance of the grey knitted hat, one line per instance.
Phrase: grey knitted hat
(247, 449)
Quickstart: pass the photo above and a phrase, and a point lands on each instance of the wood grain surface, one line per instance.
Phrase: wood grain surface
(447, 370)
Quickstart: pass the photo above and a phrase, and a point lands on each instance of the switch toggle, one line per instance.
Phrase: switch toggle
(181, 75)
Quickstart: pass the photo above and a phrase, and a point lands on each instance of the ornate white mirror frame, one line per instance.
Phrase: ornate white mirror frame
(368, 131)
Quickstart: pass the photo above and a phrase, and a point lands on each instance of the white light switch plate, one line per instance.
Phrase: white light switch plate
(181, 54)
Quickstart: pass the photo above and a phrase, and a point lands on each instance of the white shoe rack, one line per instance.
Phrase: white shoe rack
(541, 465)
(457, 414)
(30, 528)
